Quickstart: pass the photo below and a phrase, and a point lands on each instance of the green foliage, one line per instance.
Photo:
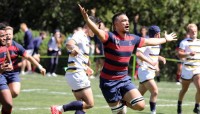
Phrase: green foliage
(170, 15)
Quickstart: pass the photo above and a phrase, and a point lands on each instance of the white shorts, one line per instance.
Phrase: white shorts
(145, 74)
(77, 80)
(189, 71)
(29, 52)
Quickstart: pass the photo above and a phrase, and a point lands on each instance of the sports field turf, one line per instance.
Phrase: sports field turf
(38, 93)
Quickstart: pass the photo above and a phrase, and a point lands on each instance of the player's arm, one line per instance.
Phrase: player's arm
(142, 57)
(34, 62)
(100, 33)
(161, 58)
(183, 54)
(5, 67)
(72, 48)
(158, 41)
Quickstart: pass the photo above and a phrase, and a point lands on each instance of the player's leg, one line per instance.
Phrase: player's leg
(15, 88)
(6, 101)
(142, 89)
(86, 97)
(23, 66)
(184, 87)
(14, 84)
(5, 97)
(152, 87)
(196, 80)
(134, 100)
(118, 107)
(178, 73)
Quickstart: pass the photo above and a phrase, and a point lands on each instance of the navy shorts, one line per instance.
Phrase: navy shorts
(7, 78)
(114, 90)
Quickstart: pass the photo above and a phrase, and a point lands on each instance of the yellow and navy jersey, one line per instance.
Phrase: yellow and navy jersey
(79, 62)
(151, 52)
(191, 45)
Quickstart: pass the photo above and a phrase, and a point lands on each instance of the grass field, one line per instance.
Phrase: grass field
(39, 93)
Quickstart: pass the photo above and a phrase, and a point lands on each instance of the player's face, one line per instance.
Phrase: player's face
(122, 24)
(3, 36)
(193, 32)
(9, 36)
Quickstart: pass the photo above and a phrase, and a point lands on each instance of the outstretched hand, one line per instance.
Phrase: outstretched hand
(83, 12)
(43, 71)
(170, 37)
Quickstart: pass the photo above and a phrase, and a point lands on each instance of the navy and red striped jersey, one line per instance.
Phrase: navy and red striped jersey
(2, 54)
(118, 52)
(16, 50)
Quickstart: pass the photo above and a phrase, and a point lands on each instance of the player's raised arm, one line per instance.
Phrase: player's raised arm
(100, 33)
(155, 41)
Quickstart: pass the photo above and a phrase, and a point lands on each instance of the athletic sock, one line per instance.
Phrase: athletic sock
(75, 105)
(79, 112)
(196, 107)
(152, 106)
(5, 111)
(179, 105)
(178, 76)
(158, 78)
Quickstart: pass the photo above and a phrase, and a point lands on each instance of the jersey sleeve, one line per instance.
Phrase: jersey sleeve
(77, 37)
(21, 50)
(182, 45)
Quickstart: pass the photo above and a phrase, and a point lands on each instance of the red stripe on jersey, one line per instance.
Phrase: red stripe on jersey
(141, 42)
(2, 49)
(115, 68)
(110, 77)
(13, 48)
(117, 58)
(2, 60)
(120, 48)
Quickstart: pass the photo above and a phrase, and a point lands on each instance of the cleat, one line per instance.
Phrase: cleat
(54, 110)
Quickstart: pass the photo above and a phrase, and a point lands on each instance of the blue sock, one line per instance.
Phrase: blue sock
(79, 112)
(152, 106)
(74, 105)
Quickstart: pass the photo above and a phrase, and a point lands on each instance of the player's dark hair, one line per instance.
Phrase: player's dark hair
(117, 15)
(2, 26)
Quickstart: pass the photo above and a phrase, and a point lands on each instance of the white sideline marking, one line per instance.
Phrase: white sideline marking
(30, 90)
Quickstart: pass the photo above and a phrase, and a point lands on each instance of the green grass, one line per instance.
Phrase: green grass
(39, 93)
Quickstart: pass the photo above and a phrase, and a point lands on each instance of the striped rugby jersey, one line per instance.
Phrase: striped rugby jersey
(189, 45)
(118, 52)
(151, 52)
(16, 50)
(79, 62)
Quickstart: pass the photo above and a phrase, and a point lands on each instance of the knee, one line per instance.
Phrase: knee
(90, 105)
(14, 94)
(138, 104)
(154, 93)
